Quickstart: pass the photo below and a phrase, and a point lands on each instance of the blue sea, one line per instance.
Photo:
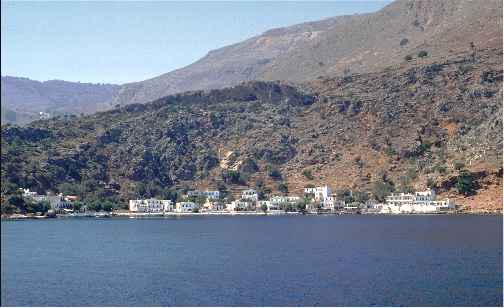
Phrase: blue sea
(354, 260)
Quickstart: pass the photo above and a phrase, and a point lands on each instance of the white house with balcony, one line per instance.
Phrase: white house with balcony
(210, 194)
(212, 206)
(59, 204)
(279, 200)
(319, 193)
(33, 195)
(270, 206)
(151, 205)
(418, 202)
(239, 205)
(250, 195)
(185, 207)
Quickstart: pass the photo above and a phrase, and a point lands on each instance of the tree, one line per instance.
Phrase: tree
(381, 189)
(107, 206)
(232, 177)
(466, 184)
(405, 184)
(8, 208)
(431, 183)
(345, 194)
(283, 188)
(18, 201)
(361, 196)
(200, 200)
(274, 173)
(77, 205)
(408, 58)
(264, 208)
(42, 206)
(301, 206)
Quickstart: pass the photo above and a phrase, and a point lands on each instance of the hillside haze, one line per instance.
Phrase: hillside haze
(23, 98)
(336, 46)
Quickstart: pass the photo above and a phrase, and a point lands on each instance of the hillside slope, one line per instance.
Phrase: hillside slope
(23, 98)
(405, 127)
(336, 46)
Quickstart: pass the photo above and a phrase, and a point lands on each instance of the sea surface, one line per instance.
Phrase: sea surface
(354, 260)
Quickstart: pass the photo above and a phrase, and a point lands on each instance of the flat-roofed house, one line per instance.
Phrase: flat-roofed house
(151, 205)
(319, 193)
(418, 202)
(210, 194)
(250, 195)
(185, 207)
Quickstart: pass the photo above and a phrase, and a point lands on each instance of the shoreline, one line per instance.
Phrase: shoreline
(173, 214)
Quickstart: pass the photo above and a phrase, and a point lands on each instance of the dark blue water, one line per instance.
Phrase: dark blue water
(254, 261)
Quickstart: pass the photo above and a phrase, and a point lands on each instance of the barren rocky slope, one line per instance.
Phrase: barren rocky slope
(336, 46)
(404, 127)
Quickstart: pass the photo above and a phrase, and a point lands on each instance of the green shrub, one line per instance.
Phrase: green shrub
(431, 183)
(274, 173)
(345, 195)
(232, 177)
(381, 190)
(282, 187)
(307, 174)
(423, 54)
(441, 169)
(390, 151)
(458, 165)
(408, 58)
(360, 196)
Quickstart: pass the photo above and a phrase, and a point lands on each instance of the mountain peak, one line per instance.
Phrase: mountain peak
(337, 46)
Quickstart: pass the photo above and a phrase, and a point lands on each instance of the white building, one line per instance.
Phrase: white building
(150, 206)
(210, 194)
(278, 200)
(185, 207)
(250, 194)
(44, 115)
(238, 205)
(418, 202)
(320, 193)
(59, 204)
(209, 206)
(33, 195)
(270, 206)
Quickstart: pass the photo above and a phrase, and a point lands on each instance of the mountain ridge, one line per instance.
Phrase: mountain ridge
(336, 46)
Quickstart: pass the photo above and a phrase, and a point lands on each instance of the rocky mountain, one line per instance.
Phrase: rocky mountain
(341, 45)
(404, 31)
(420, 123)
(23, 99)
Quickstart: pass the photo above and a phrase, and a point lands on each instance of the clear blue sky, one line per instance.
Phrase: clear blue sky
(118, 42)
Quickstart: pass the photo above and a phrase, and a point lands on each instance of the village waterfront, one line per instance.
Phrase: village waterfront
(315, 200)
(251, 260)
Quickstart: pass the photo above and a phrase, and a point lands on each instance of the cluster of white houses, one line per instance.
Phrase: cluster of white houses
(421, 202)
(316, 199)
(59, 203)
